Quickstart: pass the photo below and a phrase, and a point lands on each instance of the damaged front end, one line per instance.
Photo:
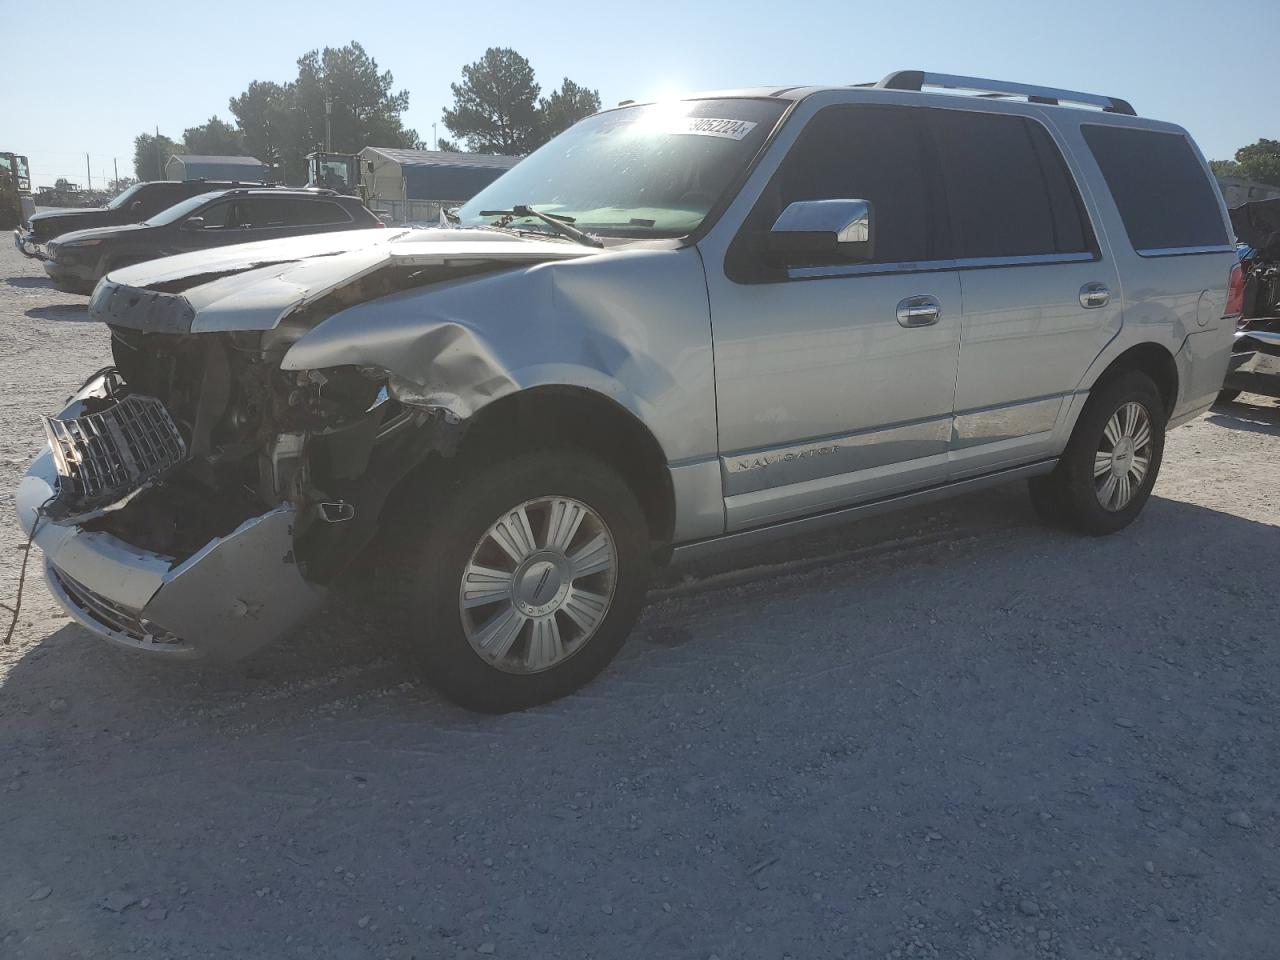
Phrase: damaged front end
(209, 522)
(198, 497)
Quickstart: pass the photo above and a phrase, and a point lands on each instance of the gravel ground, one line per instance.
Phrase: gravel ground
(947, 733)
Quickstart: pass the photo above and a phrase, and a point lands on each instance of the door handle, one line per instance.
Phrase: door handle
(1094, 295)
(918, 312)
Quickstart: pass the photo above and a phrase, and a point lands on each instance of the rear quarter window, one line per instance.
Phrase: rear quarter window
(1165, 199)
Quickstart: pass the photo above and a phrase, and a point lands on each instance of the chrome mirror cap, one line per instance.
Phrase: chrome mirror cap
(823, 231)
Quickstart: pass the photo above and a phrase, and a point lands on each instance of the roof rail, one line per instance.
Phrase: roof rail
(919, 79)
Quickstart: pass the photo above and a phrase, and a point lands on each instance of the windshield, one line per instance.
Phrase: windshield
(180, 210)
(120, 199)
(645, 171)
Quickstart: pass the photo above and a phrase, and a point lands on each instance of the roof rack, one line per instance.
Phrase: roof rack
(919, 79)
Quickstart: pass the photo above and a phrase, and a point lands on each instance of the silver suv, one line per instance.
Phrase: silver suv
(676, 328)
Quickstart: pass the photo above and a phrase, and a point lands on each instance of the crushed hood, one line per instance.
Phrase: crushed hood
(254, 286)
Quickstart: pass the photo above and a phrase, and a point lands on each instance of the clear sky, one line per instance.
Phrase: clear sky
(93, 75)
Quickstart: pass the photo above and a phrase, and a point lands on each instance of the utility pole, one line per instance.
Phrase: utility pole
(115, 168)
(87, 171)
(328, 126)
(435, 140)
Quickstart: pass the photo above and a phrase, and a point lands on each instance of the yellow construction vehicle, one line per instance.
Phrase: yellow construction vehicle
(16, 203)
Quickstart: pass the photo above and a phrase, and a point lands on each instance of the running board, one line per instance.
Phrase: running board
(701, 549)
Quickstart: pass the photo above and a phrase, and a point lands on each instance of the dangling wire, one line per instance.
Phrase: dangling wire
(22, 577)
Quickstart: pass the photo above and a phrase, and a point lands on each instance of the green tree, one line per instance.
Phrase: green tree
(214, 138)
(150, 153)
(1260, 161)
(364, 110)
(282, 123)
(565, 107)
(495, 107)
(447, 146)
(1224, 168)
(264, 116)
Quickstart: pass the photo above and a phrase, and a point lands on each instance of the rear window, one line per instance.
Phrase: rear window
(1163, 194)
(1009, 193)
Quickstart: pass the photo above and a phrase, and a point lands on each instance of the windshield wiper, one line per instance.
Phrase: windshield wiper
(560, 224)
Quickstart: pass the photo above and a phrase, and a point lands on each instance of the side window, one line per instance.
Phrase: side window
(160, 198)
(1009, 193)
(864, 153)
(270, 212)
(1163, 194)
(217, 216)
(316, 212)
(260, 213)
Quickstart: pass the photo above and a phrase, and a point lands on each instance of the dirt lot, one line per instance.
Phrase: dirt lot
(950, 733)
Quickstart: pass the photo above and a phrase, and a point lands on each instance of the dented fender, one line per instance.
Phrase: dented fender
(633, 326)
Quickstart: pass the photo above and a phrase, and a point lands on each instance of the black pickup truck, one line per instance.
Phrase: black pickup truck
(134, 205)
(1254, 299)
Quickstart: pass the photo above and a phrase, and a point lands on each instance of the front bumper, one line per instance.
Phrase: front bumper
(229, 599)
(27, 246)
(71, 278)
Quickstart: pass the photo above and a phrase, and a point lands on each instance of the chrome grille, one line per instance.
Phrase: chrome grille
(114, 451)
(103, 611)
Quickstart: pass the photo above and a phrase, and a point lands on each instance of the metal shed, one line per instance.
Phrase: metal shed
(412, 185)
(187, 166)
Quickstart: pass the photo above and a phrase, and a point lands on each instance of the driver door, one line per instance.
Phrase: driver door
(833, 387)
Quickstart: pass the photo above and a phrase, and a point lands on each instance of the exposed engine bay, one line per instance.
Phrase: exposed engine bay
(331, 443)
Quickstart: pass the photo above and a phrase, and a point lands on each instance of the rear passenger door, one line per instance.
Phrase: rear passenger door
(1041, 297)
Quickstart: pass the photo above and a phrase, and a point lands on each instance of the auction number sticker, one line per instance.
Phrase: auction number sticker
(711, 127)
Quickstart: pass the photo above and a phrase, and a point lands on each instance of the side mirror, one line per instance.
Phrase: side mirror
(193, 223)
(821, 232)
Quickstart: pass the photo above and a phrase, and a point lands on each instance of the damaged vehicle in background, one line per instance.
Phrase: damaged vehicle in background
(1254, 302)
(531, 407)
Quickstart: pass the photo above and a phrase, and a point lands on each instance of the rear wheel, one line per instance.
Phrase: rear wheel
(1104, 477)
(529, 578)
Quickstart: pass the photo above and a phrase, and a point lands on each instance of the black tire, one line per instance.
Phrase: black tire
(1228, 396)
(1069, 496)
(476, 498)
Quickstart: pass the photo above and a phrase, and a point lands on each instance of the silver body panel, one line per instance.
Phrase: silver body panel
(229, 599)
(776, 405)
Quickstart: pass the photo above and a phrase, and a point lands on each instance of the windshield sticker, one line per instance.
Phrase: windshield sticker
(712, 127)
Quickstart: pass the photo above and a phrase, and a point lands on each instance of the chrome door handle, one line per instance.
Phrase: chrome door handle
(1094, 295)
(918, 312)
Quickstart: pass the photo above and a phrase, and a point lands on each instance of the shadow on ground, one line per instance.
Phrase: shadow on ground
(62, 313)
(1262, 415)
(950, 727)
(30, 283)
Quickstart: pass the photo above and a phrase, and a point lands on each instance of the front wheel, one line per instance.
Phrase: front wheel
(530, 576)
(1104, 477)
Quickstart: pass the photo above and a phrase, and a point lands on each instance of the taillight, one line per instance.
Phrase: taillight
(1235, 294)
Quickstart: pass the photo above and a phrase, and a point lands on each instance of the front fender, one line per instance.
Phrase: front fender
(633, 327)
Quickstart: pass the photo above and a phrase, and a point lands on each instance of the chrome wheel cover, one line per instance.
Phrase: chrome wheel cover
(1123, 456)
(538, 585)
